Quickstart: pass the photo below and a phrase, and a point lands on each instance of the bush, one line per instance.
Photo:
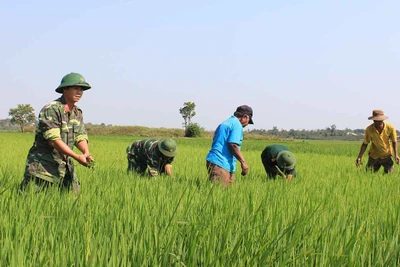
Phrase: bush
(194, 130)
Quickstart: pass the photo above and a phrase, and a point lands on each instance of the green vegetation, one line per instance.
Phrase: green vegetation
(194, 130)
(333, 214)
(22, 115)
(330, 133)
(94, 129)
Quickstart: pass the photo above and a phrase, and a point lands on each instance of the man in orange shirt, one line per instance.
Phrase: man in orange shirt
(382, 136)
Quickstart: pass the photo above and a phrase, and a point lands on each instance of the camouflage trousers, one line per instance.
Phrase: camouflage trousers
(134, 165)
(70, 181)
(140, 167)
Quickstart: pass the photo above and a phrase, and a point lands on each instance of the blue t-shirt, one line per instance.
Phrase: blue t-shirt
(229, 131)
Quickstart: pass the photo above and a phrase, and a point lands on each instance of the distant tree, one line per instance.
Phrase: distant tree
(333, 129)
(359, 131)
(22, 115)
(292, 133)
(275, 130)
(187, 112)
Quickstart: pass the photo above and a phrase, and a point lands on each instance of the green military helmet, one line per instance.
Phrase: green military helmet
(168, 147)
(73, 79)
(285, 160)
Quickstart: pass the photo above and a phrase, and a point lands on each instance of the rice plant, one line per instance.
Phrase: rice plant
(332, 214)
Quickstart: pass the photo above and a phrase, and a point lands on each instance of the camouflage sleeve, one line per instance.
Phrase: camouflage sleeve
(152, 166)
(81, 138)
(81, 130)
(152, 171)
(50, 122)
(168, 162)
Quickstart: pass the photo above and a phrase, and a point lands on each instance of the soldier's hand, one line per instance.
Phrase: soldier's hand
(88, 156)
(90, 162)
(358, 162)
(82, 160)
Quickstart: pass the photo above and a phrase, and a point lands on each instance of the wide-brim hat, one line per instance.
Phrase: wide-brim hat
(378, 115)
(168, 147)
(286, 160)
(73, 79)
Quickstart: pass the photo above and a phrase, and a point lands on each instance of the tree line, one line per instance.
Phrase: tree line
(23, 116)
(317, 134)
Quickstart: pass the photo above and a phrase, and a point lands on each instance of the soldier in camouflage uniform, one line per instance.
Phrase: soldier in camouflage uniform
(151, 156)
(60, 127)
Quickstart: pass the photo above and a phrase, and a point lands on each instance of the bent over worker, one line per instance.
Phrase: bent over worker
(278, 160)
(151, 156)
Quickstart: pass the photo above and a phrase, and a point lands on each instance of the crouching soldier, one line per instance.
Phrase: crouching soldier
(151, 156)
(278, 160)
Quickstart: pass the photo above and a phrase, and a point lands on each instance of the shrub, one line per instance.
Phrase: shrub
(194, 130)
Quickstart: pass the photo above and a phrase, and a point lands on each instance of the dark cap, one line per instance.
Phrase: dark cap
(246, 110)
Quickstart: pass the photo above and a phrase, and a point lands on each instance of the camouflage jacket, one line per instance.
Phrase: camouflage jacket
(147, 154)
(44, 161)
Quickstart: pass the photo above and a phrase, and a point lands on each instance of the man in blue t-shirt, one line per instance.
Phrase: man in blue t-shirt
(225, 149)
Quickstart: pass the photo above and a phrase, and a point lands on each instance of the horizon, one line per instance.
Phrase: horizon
(244, 129)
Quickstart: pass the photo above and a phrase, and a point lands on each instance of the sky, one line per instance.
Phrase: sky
(298, 64)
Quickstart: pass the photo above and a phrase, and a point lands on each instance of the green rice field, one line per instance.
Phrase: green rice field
(332, 214)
